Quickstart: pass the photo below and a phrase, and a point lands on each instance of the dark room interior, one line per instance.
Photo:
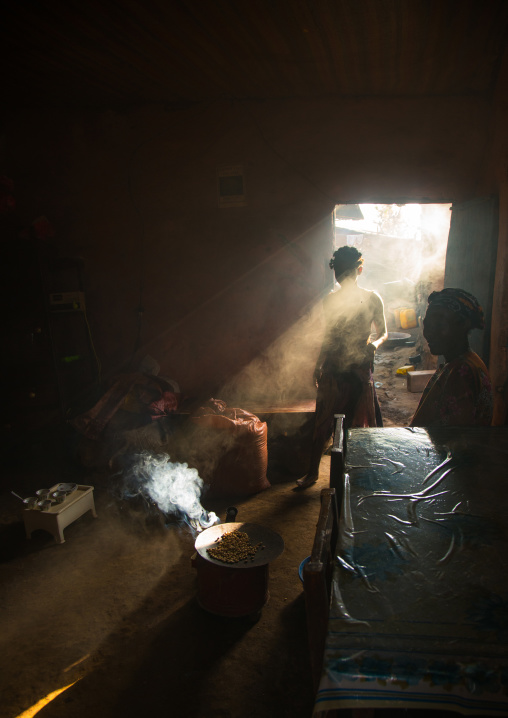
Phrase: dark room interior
(169, 178)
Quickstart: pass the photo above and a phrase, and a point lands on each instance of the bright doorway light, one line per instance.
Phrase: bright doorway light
(404, 250)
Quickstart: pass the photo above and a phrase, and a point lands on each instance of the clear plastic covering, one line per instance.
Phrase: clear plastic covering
(419, 614)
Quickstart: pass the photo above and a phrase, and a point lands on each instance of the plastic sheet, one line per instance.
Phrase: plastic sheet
(419, 613)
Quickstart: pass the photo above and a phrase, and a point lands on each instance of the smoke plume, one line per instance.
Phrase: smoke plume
(173, 487)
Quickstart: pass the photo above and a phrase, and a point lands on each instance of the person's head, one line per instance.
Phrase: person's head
(346, 263)
(450, 316)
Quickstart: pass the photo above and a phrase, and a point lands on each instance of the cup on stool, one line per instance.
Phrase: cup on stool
(59, 496)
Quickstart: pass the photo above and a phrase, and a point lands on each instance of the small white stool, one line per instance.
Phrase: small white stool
(58, 516)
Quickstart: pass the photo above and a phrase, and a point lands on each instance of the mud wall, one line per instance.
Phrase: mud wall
(494, 180)
(206, 290)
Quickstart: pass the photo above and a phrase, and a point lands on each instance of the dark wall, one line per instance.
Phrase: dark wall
(494, 181)
(134, 193)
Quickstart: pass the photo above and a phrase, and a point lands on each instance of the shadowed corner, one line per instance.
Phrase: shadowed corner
(165, 658)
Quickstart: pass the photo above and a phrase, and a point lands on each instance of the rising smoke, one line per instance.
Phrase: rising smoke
(174, 488)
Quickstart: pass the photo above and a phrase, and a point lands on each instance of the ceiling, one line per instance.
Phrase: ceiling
(125, 52)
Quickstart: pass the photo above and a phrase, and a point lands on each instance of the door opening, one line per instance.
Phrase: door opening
(404, 248)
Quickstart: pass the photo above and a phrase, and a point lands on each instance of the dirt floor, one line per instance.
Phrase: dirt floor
(397, 403)
(111, 619)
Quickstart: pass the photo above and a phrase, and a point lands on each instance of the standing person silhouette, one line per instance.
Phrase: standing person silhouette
(343, 372)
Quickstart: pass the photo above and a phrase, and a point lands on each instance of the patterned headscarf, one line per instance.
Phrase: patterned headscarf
(460, 302)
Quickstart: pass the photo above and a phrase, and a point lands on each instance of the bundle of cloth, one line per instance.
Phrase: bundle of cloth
(150, 397)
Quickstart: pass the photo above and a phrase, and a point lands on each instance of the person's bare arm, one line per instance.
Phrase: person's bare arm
(379, 324)
(379, 321)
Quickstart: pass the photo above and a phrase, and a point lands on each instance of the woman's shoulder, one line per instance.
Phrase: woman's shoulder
(372, 296)
(469, 372)
(473, 359)
(360, 295)
(468, 363)
(331, 297)
(369, 292)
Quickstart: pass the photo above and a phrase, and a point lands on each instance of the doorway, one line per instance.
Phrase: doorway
(404, 249)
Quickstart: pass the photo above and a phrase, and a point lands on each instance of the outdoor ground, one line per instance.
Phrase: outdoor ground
(111, 616)
(397, 403)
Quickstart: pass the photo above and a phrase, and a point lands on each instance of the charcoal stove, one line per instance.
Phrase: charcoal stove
(238, 589)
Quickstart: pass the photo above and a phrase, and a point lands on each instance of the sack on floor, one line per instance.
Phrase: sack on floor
(232, 457)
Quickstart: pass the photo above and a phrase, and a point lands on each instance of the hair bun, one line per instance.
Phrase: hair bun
(345, 259)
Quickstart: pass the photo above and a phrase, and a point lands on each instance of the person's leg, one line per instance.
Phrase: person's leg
(323, 427)
(336, 395)
(319, 443)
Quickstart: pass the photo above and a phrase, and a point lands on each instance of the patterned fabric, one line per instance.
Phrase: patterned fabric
(460, 302)
(419, 608)
(459, 394)
(351, 394)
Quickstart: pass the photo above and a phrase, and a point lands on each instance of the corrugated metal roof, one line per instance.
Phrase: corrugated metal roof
(134, 51)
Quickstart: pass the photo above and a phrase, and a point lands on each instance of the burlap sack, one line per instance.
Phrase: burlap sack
(232, 456)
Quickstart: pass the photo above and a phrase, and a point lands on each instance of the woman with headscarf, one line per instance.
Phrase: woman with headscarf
(343, 372)
(460, 392)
